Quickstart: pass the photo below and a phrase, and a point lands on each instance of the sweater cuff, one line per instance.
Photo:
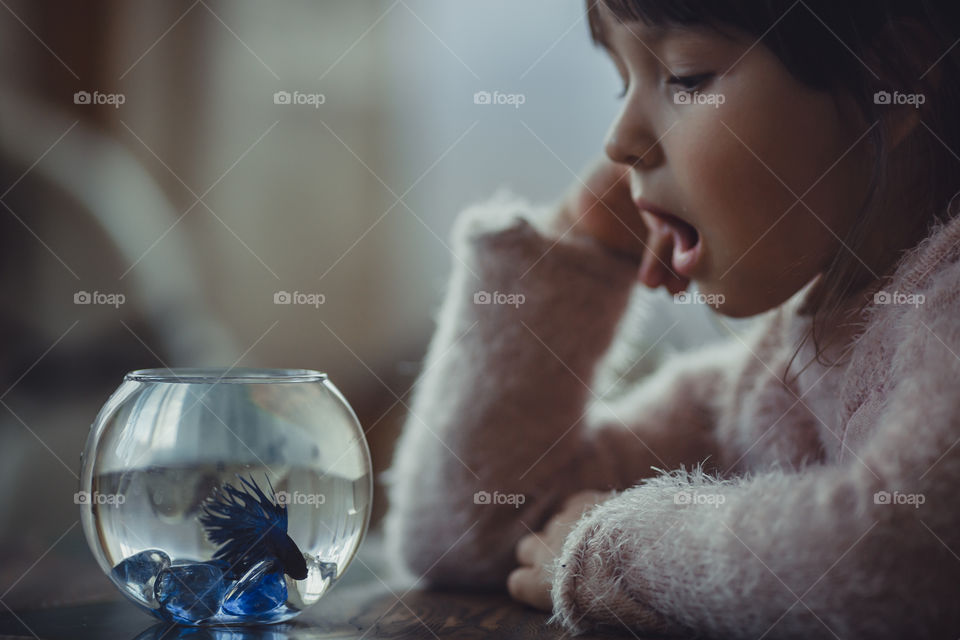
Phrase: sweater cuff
(598, 579)
(507, 223)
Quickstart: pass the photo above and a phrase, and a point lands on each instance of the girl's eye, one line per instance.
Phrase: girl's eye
(689, 83)
(685, 83)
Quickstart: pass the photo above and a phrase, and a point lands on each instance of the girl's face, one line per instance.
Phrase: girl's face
(768, 172)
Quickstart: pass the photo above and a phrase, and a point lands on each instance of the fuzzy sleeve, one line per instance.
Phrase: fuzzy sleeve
(865, 549)
(503, 425)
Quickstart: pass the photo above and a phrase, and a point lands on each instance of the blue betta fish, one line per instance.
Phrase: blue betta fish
(250, 527)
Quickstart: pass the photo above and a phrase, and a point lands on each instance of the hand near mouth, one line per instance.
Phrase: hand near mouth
(656, 268)
(601, 207)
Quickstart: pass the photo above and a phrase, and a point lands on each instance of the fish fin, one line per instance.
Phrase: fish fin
(243, 523)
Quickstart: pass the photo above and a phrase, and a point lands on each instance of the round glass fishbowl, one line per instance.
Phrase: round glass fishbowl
(215, 496)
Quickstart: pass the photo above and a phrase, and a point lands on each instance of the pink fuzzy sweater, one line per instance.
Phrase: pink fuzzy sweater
(744, 507)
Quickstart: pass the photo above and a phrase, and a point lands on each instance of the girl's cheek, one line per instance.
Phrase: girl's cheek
(722, 181)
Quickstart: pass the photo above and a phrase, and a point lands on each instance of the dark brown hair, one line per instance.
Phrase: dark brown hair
(852, 48)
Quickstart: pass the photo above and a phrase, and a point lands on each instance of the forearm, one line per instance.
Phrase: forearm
(669, 419)
(786, 554)
(499, 406)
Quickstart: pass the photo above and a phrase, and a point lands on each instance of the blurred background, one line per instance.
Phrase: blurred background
(168, 168)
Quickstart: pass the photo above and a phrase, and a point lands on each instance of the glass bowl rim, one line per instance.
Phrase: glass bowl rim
(224, 375)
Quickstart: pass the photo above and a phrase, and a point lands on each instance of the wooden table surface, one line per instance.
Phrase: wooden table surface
(365, 603)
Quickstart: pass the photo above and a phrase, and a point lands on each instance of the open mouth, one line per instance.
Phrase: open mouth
(686, 242)
(686, 245)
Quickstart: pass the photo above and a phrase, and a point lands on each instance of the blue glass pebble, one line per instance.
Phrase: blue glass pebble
(138, 574)
(191, 592)
(260, 590)
(223, 565)
(328, 570)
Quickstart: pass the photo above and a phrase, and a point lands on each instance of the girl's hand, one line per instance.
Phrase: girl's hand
(601, 207)
(530, 583)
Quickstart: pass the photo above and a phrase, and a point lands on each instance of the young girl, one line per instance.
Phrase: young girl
(792, 158)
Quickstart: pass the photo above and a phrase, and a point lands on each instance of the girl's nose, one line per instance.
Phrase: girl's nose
(628, 144)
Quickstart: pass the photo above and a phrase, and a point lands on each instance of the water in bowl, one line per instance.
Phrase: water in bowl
(177, 576)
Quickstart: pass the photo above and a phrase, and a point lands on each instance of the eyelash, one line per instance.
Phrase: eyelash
(683, 80)
(679, 80)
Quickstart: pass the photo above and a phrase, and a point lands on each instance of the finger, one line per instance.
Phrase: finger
(574, 508)
(520, 583)
(605, 175)
(654, 269)
(525, 585)
(527, 549)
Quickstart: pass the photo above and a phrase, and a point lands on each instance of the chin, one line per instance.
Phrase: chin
(738, 304)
